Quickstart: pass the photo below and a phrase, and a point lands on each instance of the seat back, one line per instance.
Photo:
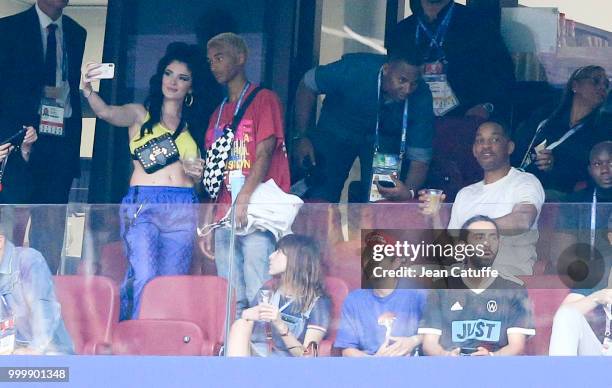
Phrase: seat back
(90, 309)
(157, 338)
(337, 291)
(344, 262)
(198, 299)
(453, 165)
(113, 262)
(545, 304)
(320, 221)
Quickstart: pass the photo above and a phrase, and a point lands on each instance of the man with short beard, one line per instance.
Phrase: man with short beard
(478, 315)
(509, 196)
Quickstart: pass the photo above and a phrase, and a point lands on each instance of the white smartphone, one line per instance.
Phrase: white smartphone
(107, 71)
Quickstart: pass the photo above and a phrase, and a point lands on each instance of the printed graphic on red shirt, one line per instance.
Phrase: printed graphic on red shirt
(262, 119)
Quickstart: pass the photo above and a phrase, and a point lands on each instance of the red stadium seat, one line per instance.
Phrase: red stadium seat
(337, 291)
(344, 262)
(90, 308)
(113, 262)
(547, 226)
(545, 303)
(157, 338)
(197, 299)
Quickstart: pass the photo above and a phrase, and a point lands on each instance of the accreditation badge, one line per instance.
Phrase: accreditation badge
(383, 166)
(52, 111)
(444, 99)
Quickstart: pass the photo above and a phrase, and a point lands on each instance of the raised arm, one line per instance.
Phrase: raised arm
(119, 116)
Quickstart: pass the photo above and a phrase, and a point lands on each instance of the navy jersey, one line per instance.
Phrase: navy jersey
(472, 318)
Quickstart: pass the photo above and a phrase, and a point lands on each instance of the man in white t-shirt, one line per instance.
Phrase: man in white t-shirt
(511, 197)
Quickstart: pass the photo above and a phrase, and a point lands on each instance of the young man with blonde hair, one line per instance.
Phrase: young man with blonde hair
(256, 154)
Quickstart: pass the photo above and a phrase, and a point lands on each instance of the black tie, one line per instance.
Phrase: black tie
(51, 56)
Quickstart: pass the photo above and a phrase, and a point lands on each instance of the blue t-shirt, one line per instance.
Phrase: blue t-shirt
(349, 110)
(359, 327)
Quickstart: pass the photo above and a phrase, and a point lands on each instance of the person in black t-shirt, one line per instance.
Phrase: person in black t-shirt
(479, 315)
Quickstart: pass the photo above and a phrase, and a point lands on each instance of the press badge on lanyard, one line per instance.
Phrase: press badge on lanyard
(236, 177)
(386, 164)
(53, 104)
(444, 99)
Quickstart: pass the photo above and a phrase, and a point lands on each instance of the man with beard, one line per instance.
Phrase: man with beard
(478, 315)
(509, 196)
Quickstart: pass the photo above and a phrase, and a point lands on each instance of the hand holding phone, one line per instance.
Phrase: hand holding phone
(387, 184)
(16, 139)
(98, 71)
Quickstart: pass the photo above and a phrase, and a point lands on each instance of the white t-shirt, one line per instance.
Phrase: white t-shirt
(517, 254)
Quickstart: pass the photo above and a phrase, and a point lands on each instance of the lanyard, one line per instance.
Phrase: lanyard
(593, 218)
(242, 93)
(607, 308)
(435, 40)
(569, 133)
(404, 121)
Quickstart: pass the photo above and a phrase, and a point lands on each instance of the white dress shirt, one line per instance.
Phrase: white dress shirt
(45, 21)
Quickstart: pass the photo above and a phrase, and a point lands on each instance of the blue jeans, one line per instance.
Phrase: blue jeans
(251, 263)
(158, 228)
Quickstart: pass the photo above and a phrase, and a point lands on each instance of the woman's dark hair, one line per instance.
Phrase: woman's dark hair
(192, 57)
(463, 233)
(568, 94)
(304, 275)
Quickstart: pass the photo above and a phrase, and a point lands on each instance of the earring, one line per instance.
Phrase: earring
(189, 99)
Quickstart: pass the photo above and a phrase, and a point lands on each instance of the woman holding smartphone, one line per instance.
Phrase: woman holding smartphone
(158, 214)
(293, 313)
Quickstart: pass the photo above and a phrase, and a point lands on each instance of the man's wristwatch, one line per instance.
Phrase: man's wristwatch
(489, 107)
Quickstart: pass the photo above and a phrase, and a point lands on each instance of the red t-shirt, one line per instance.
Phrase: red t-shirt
(262, 119)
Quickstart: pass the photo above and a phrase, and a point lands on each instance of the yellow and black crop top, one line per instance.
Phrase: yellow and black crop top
(187, 147)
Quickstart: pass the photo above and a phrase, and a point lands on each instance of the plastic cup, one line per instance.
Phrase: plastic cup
(264, 296)
(193, 166)
(435, 197)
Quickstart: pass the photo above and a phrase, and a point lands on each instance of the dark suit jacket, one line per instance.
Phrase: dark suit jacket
(21, 87)
(480, 68)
